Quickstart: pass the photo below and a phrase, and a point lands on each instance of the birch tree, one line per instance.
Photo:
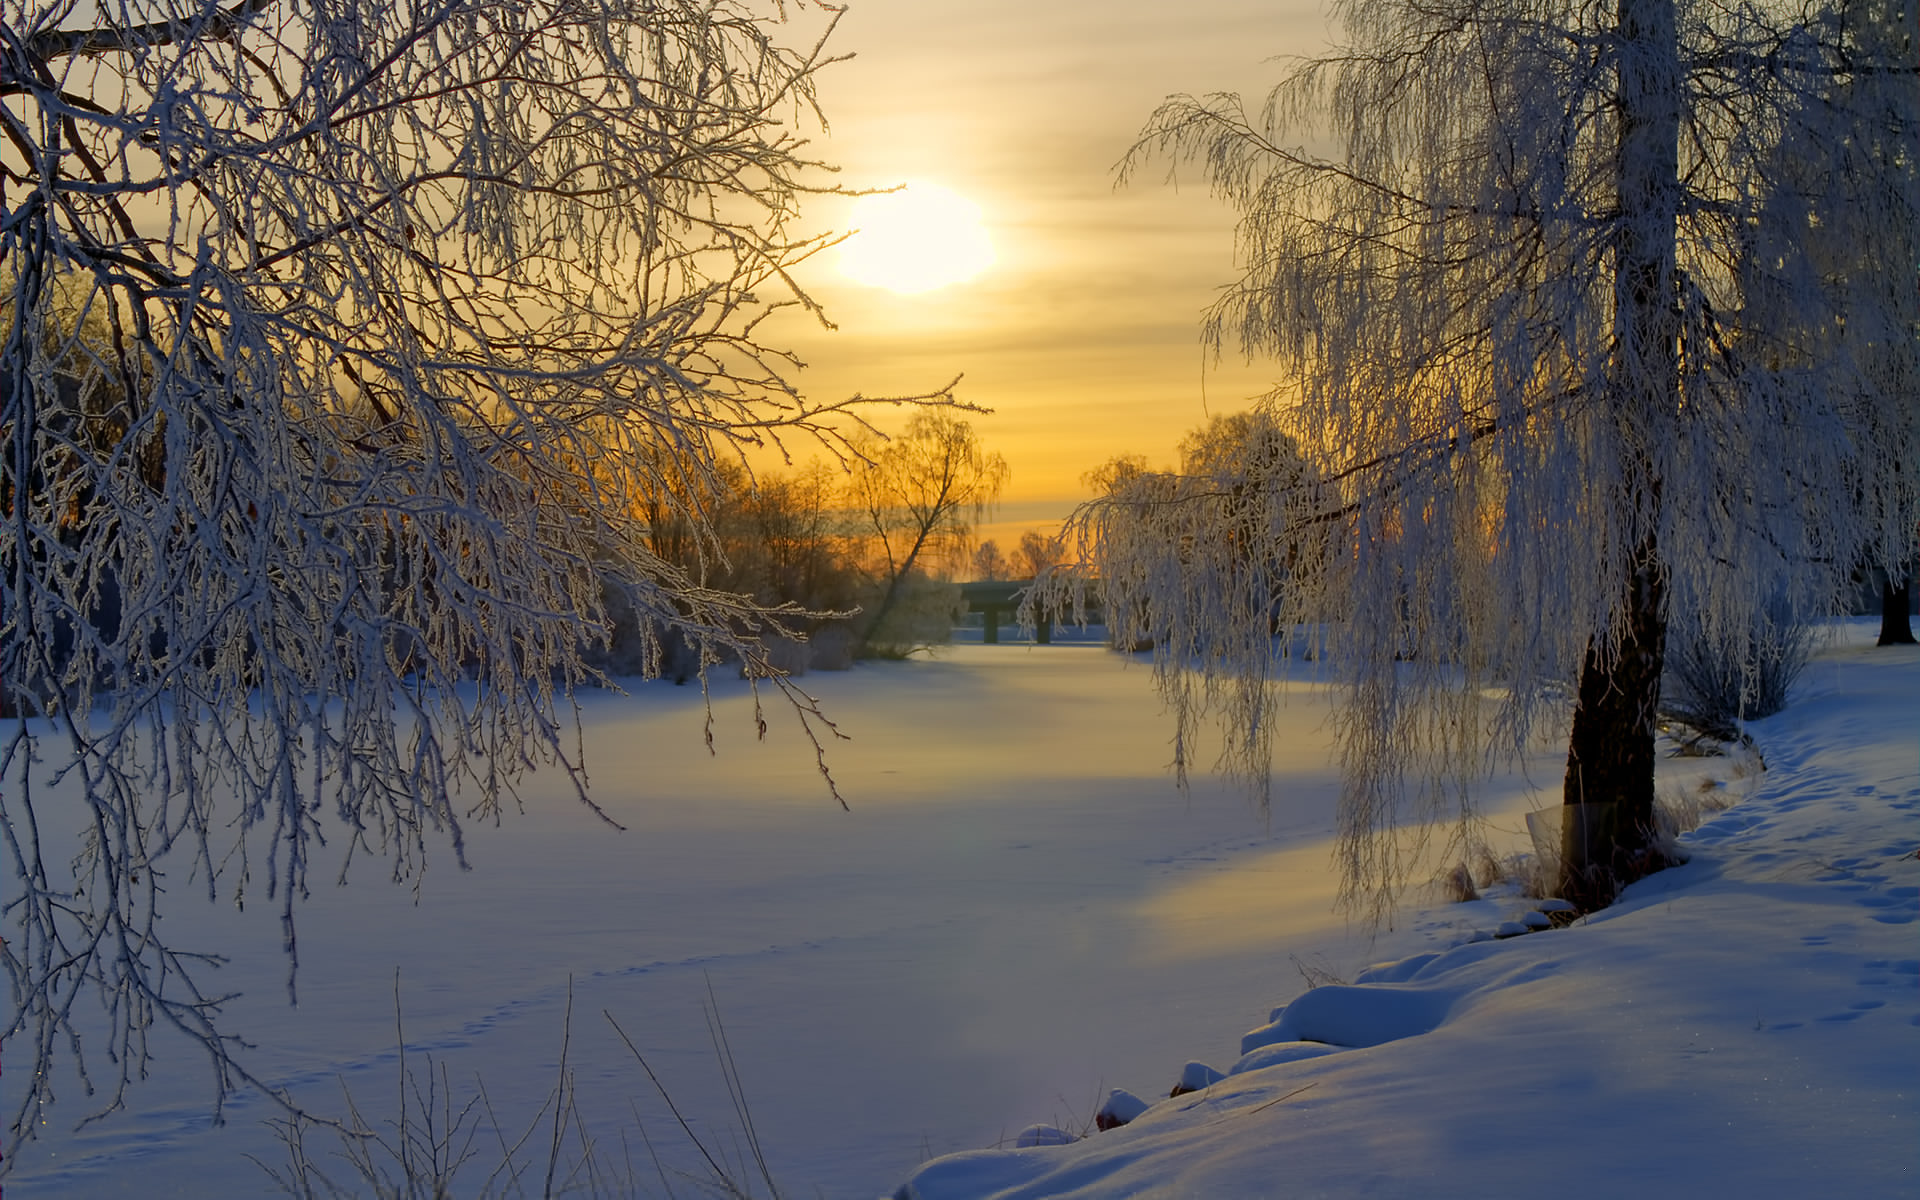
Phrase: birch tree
(915, 499)
(344, 347)
(1518, 307)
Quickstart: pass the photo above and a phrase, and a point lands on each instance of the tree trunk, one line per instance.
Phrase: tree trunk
(1896, 602)
(1607, 830)
(1610, 749)
(892, 594)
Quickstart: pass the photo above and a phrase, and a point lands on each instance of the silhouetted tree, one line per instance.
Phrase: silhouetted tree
(1036, 554)
(916, 497)
(988, 563)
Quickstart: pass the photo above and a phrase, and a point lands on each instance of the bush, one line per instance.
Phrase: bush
(1713, 683)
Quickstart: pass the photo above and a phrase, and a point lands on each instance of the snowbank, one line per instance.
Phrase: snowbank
(1745, 1025)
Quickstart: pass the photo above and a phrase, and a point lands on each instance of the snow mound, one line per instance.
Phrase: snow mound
(1391, 972)
(1280, 1052)
(1120, 1109)
(1043, 1135)
(1355, 1015)
(1195, 1077)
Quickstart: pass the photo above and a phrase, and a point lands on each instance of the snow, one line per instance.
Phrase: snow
(1747, 1024)
(1195, 1076)
(1020, 917)
(1121, 1106)
(1368, 1015)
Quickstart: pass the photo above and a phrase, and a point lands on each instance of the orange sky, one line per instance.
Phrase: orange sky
(1084, 337)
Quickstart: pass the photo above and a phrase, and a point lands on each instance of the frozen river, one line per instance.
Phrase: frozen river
(1019, 912)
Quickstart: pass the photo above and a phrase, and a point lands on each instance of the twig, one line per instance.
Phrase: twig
(723, 1050)
(699, 1145)
(560, 1105)
(1277, 1099)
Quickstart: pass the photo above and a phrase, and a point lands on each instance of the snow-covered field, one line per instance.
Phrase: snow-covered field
(1020, 913)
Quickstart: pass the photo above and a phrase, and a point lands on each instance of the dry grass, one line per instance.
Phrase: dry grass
(433, 1144)
(1315, 971)
(1678, 809)
(1456, 885)
(1485, 870)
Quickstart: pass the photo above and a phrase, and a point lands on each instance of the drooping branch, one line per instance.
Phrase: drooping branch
(1560, 324)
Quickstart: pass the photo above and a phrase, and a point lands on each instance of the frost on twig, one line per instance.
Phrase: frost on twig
(346, 352)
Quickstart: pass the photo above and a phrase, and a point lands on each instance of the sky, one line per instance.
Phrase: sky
(1083, 337)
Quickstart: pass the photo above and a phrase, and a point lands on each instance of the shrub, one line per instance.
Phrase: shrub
(1715, 682)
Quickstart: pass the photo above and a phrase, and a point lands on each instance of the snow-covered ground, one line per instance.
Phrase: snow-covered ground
(1745, 1025)
(1020, 914)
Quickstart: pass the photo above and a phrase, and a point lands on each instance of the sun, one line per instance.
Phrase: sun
(916, 239)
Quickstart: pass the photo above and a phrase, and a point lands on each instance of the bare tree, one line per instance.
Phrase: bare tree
(989, 563)
(916, 498)
(793, 526)
(344, 349)
(1036, 554)
(1518, 312)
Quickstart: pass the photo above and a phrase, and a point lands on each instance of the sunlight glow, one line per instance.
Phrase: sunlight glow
(919, 238)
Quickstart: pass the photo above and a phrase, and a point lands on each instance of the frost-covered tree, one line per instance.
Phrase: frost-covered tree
(1201, 563)
(1516, 300)
(1846, 154)
(347, 351)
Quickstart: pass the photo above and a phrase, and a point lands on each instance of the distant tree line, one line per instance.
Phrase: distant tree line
(1035, 555)
(852, 559)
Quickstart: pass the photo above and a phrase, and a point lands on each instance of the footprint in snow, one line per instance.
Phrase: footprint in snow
(1894, 906)
(1879, 972)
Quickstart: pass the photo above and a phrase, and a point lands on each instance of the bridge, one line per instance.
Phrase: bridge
(1000, 598)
